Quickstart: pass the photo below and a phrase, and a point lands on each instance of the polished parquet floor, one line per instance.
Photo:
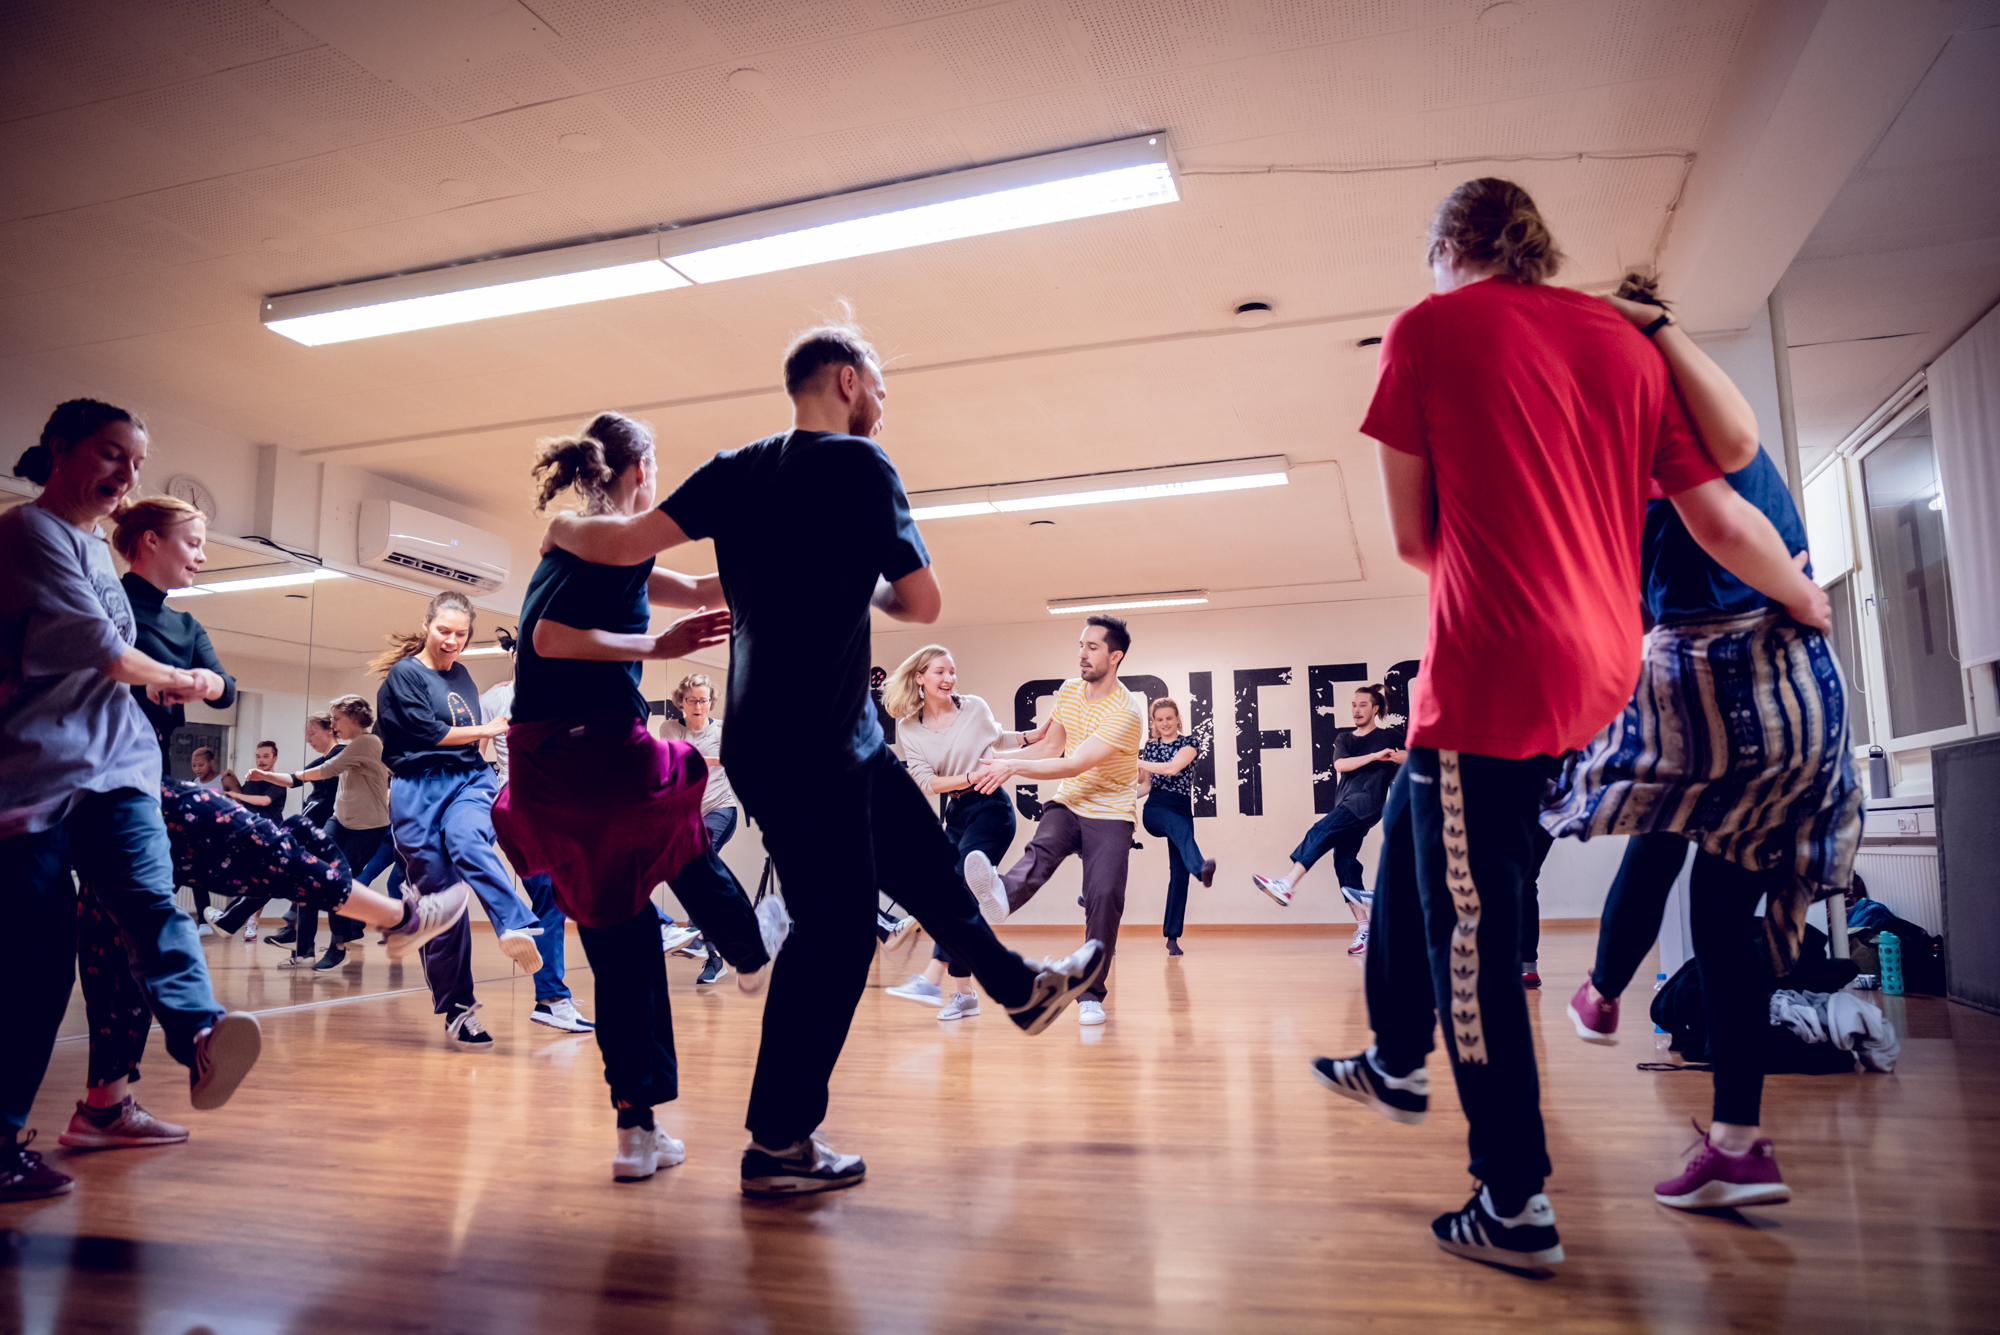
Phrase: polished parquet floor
(1177, 1169)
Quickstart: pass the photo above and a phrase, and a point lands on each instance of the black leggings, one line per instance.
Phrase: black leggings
(1735, 985)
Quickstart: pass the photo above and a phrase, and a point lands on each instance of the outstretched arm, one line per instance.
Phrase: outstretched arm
(1725, 419)
(614, 540)
(697, 630)
(996, 772)
(670, 588)
(1744, 543)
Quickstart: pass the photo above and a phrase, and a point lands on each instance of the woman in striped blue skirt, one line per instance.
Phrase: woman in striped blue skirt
(1735, 741)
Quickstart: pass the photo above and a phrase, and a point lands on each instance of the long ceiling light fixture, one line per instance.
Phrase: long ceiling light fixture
(1126, 601)
(261, 582)
(1079, 183)
(1136, 484)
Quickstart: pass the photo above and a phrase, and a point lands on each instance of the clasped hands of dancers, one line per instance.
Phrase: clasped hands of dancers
(1500, 400)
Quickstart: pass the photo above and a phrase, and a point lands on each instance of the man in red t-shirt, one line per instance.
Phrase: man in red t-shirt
(1521, 428)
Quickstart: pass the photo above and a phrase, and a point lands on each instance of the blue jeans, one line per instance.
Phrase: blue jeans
(975, 821)
(442, 820)
(1339, 832)
(117, 843)
(549, 984)
(385, 856)
(1168, 816)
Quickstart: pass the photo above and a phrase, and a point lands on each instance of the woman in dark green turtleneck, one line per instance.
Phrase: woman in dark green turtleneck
(162, 540)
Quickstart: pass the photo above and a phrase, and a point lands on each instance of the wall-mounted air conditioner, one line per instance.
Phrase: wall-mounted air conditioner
(403, 540)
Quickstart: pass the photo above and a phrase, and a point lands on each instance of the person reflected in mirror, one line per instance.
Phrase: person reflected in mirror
(600, 806)
(359, 821)
(699, 727)
(441, 803)
(554, 1007)
(207, 773)
(1168, 788)
(944, 737)
(268, 797)
(80, 796)
(1365, 757)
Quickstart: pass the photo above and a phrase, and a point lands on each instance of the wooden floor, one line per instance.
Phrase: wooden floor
(1177, 1169)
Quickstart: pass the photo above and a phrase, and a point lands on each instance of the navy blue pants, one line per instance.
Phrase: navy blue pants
(443, 825)
(1169, 816)
(1445, 939)
(117, 844)
(975, 821)
(1339, 832)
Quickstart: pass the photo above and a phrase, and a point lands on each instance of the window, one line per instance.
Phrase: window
(1847, 650)
(1922, 681)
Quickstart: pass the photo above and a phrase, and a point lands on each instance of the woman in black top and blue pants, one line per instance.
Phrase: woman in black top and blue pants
(1169, 812)
(441, 803)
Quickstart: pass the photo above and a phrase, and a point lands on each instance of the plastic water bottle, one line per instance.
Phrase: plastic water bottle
(1659, 981)
(1889, 960)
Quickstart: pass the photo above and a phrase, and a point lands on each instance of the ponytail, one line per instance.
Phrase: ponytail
(590, 461)
(408, 644)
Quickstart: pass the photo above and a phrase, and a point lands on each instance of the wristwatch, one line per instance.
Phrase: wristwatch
(1666, 318)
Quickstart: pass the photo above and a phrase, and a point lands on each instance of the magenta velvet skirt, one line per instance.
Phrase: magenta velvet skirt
(603, 808)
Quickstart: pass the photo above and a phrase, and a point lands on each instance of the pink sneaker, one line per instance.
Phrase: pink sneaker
(1595, 1021)
(1359, 946)
(1716, 1179)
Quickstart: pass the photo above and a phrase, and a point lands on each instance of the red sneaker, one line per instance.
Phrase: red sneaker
(1531, 979)
(1715, 1179)
(1595, 1021)
(1359, 946)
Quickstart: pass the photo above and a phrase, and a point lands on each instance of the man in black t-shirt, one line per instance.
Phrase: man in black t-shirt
(811, 530)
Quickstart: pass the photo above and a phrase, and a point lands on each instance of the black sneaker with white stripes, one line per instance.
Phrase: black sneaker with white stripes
(1525, 1240)
(1402, 1099)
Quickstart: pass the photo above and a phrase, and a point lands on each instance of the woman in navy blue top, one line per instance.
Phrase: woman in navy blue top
(1169, 812)
(1773, 812)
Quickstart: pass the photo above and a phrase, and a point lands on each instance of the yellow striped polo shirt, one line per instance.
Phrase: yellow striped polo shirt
(1108, 791)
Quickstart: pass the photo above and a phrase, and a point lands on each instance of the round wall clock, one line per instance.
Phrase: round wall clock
(182, 487)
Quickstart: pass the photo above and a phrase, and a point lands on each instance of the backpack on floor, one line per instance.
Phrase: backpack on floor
(1677, 1009)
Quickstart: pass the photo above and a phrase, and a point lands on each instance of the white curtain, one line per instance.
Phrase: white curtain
(1965, 428)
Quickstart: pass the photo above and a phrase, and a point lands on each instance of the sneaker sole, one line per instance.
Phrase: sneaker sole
(553, 1023)
(524, 953)
(234, 1044)
(1500, 1256)
(901, 995)
(798, 1186)
(72, 1141)
(1589, 1035)
(985, 889)
(1369, 1100)
(1077, 987)
(18, 1194)
(1724, 1195)
(959, 1015)
(1281, 903)
(397, 946)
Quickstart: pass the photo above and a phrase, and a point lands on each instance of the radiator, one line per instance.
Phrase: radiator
(1906, 881)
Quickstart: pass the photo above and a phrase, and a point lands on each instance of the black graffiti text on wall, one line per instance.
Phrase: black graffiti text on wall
(1201, 728)
(1252, 740)
(1329, 716)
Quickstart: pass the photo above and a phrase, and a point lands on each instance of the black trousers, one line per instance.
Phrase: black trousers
(1445, 937)
(835, 843)
(1531, 896)
(447, 961)
(975, 821)
(635, 1018)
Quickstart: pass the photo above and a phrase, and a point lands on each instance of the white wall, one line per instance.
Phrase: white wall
(994, 662)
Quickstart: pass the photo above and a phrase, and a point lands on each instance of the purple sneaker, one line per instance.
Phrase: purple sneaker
(1715, 1179)
(1595, 1021)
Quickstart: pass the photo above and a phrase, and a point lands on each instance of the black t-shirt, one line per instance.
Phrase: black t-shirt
(418, 705)
(803, 525)
(169, 635)
(1364, 790)
(571, 590)
(277, 792)
(320, 792)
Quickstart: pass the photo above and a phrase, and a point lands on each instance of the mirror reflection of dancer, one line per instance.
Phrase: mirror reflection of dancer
(80, 792)
(554, 1006)
(1776, 816)
(1092, 741)
(1169, 811)
(360, 818)
(944, 737)
(441, 803)
(1365, 756)
(1519, 428)
(699, 728)
(811, 529)
(601, 806)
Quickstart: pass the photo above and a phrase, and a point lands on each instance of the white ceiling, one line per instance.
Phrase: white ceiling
(169, 162)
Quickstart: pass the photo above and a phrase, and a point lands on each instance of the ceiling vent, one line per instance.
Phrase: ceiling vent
(403, 540)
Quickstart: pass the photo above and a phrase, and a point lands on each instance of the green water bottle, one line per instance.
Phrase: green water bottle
(1889, 959)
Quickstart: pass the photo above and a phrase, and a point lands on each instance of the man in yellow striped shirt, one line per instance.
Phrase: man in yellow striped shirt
(1092, 745)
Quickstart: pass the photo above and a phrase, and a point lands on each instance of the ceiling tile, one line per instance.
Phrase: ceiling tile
(695, 112)
(498, 83)
(531, 139)
(340, 101)
(1127, 37)
(1005, 51)
(748, 26)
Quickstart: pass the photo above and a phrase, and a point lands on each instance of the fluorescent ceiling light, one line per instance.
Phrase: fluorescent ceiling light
(262, 582)
(1120, 602)
(1055, 187)
(1135, 484)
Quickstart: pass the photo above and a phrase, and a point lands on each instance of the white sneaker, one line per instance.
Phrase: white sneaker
(641, 1153)
(960, 1006)
(519, 946)
(204, 930)
(673, 938)
(561, 1015)
(250, 930)
(919, 989)
(1277, 887)
(429, 915)
(1089, 1012)
(986, 886)
(774, 924)
(899, 933)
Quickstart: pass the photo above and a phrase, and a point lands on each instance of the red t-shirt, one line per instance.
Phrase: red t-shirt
(1545, 415)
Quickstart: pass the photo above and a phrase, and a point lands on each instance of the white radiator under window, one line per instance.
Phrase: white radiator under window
(1905, 880)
